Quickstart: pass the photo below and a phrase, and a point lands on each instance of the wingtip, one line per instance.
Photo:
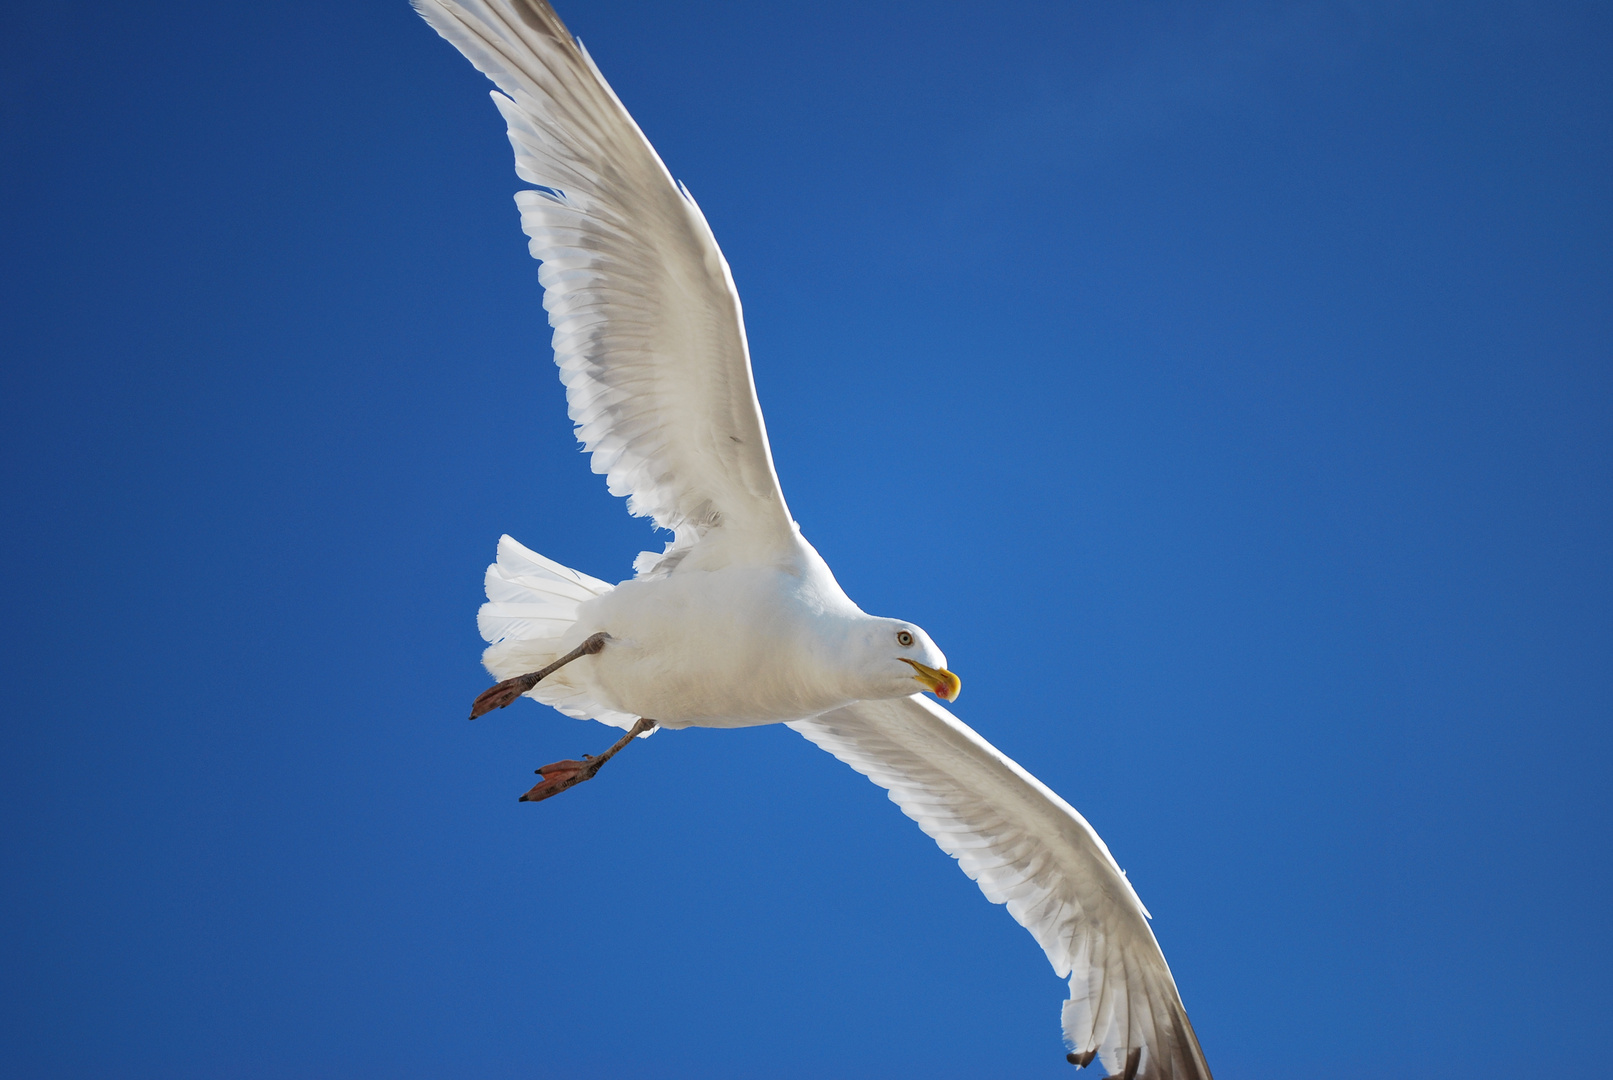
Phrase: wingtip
(1133, 1059)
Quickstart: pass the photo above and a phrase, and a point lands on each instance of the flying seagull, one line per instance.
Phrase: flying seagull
(739, 621)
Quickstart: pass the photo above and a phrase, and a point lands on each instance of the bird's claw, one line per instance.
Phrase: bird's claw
(496, 697)
(561, 775)
(500, 695)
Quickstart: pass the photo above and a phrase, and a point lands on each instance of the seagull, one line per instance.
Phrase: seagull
(739, 621)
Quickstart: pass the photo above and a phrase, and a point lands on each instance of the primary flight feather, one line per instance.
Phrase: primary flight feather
(739, 621)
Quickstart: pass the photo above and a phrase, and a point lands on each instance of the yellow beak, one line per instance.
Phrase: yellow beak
(938, 681)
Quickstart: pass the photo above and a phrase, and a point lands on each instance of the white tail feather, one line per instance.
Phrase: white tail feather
(531, 605)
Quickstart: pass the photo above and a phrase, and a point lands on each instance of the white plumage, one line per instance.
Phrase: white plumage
(740, 621)
(1027, 848)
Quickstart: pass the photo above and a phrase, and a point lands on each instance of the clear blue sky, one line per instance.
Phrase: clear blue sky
(1225, 387)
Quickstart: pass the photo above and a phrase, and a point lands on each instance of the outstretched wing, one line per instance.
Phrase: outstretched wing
(648, 331)
(1027, 848)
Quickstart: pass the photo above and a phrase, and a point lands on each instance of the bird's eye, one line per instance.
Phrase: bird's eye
(903, 638)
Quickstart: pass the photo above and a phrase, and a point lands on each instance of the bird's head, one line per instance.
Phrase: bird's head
(898, 659)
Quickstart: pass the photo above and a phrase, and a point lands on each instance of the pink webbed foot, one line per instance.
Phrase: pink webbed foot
(560, 776)
(563, 774)
(496, 697)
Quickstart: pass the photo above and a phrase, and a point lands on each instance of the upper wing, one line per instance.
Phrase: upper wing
(1028, 848)
(647, 325)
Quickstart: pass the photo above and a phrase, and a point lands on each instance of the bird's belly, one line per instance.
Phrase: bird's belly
(706, 651)
(724, 682)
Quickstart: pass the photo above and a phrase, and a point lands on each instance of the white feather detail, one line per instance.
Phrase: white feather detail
(531, 605)
(648, 331)
(1029, 849)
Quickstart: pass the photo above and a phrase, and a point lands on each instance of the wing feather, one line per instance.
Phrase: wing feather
(649, 335)
(1027, 848)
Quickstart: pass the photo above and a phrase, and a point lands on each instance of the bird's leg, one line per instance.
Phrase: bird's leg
(563, 774)
(496, 697)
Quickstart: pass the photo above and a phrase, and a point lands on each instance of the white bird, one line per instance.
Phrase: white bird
(739, 621)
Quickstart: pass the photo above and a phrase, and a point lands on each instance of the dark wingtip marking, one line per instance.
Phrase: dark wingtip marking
(1133, 1059)
(1081, 1061)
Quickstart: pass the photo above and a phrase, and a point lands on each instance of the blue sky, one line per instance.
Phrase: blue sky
(1226, 388)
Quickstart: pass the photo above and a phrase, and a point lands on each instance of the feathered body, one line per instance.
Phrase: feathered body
(701, 646)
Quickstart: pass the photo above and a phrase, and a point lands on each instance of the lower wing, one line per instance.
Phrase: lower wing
(1027, 848)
